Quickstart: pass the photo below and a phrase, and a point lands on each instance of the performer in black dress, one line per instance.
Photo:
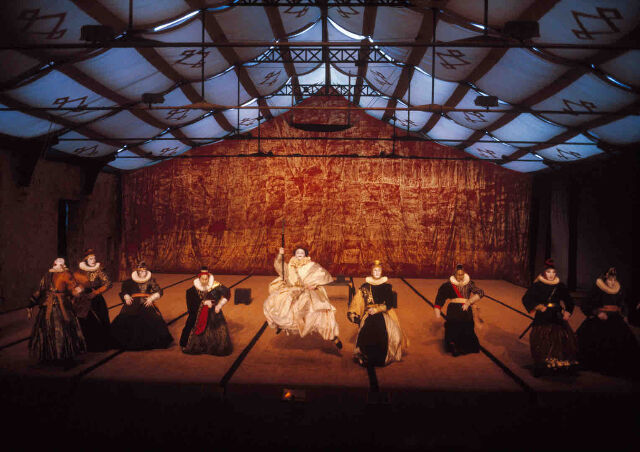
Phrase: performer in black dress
(140, 326)
(461, 293)
(91, 307)
(380, 338)
(206, 330)
(553, 344)
(56, 337)
(605, 342)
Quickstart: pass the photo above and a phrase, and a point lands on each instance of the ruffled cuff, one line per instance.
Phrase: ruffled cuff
(153, 297)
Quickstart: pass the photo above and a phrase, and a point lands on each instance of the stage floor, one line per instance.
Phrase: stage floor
(263, 364)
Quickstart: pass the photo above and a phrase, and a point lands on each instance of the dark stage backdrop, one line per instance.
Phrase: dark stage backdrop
(419, 217)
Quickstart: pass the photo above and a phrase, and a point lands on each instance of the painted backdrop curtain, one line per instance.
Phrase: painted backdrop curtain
(419, 217)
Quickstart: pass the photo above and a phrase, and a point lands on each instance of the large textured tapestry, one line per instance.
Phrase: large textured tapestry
(419, 217)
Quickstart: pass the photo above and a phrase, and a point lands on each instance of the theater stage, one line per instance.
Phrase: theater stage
(429, 400)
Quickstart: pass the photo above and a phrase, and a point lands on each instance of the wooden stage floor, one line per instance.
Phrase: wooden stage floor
(492, 393)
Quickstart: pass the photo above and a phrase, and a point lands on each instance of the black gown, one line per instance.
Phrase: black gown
(138, 327)
(553, 344)
(607, 346)
(373, 338)
(210, 335)
(459, 328)
(95, 322)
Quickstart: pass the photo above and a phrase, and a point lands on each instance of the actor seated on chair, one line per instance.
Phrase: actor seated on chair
(206, 330)
(461, 293)
(297, 303)
(56, 337)
(140, 326)
(380, 338)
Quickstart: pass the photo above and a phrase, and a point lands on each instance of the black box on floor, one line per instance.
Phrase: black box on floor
(242, 296)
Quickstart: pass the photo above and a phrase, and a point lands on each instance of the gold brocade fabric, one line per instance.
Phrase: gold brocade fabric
(420, 217)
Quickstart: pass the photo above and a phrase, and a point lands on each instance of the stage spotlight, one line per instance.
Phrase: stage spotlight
(294, 395)
(152, 98)
(486, 101)
(96, 33)
(522, 29)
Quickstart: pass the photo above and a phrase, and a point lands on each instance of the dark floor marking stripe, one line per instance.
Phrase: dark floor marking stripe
(16, 342)
(510, 307)
(373, 379)
(106, 359)
(236, 364)
(519, 381)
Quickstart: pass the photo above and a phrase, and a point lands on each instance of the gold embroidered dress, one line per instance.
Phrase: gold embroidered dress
(380, 339)
(296, 308)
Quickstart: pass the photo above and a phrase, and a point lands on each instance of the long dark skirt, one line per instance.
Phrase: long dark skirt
(608, 346)
(459, 335)
(140, 328)
(95, 326)
(554, 347)
(214, 340)
(56, 340)
(373, 341)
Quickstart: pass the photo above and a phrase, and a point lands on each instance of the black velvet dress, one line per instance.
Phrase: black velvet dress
(205, 331)
(607, 345)
(459, 328)
(373, 338)
(95, 322)
(138, 327)
(553, 344)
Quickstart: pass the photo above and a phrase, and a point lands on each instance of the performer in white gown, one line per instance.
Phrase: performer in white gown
(297, 303)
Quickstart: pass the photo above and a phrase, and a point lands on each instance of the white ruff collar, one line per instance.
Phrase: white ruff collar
(455, 282)
(139, 280)
(57, 270)
(297, 263)
(544, 280)
(198, 285)
(88, 268)
(610, 290)
(376, 282)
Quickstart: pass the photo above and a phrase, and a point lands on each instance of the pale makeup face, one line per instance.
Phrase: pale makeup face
(299, 253)
(142, 273)
(550, 274)
(204, 279)
(376, 272)
(459, 274)
(91, 260)
(58, 263)
(610, 281)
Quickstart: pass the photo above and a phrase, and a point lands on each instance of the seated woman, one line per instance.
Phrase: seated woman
(461, 293)
(297, 302)
(206, 330)
(140, 326)
(605, 342)
(553, 344)
(91, 309)
(56, 337)
(380, 338)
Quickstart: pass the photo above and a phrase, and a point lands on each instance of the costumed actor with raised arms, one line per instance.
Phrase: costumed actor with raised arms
(297, 302)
